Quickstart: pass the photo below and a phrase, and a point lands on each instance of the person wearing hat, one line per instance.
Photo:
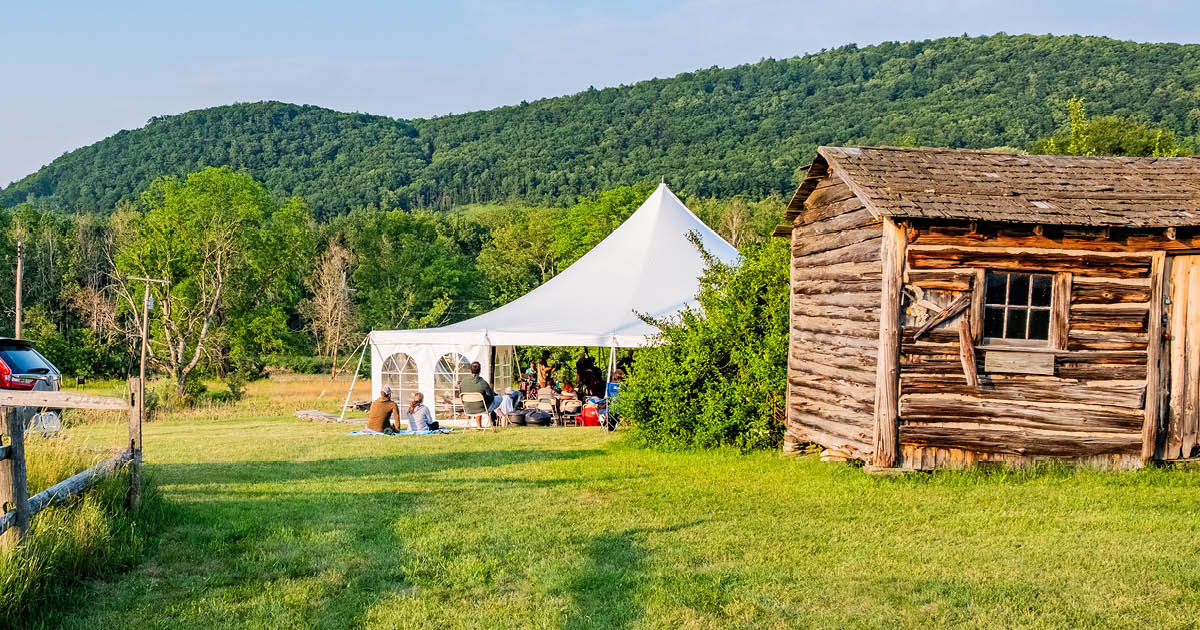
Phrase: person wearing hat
(384, 413)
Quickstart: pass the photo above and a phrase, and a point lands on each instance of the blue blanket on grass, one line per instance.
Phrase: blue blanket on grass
(370, 432)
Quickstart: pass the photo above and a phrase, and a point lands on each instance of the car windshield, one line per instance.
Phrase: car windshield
(25, 361)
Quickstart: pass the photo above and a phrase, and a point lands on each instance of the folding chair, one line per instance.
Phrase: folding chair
(571, 411)
(475, 409)
(546, 406)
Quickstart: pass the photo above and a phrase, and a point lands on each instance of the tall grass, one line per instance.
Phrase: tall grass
(89, 536)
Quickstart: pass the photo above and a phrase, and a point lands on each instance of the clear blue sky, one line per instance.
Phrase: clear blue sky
(75, 72)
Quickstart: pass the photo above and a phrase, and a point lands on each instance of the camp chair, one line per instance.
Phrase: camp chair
(546, 406)
(474, 407)
(570, 412)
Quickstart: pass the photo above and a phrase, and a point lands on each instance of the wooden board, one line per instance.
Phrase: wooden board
(1018, 441)
(1119, 265)
(887, 385)
(1154, 389)
(1015, 362)
(1183, 421)
(1066, 417)
(60, 400)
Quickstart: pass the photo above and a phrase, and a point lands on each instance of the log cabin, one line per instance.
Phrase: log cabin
(953, 307)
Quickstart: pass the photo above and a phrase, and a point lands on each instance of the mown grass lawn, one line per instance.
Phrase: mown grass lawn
(280, 523)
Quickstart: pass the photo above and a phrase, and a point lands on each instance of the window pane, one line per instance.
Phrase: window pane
(996, 288)
(1039, 324)
(1041, 291)
(1016, 322)
(993, 322)
(1018, 289)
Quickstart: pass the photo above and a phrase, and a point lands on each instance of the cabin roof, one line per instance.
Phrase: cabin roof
(1003, 187)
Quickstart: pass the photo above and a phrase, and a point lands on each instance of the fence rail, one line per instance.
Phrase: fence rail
(16, 506)
(60, 400)
(69, 487)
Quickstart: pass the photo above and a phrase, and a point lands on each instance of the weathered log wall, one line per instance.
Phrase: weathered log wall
(1092, 408)
(836, 262)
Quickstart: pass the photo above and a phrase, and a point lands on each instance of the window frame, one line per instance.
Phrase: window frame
(401, 377)
(1060, 304)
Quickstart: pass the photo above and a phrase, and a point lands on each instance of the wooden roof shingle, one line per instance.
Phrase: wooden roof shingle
(1003, 187)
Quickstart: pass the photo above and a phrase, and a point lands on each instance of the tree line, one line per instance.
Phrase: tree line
(248, 277)
(719, 132)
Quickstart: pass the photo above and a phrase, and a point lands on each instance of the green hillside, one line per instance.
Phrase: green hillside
(717, 132)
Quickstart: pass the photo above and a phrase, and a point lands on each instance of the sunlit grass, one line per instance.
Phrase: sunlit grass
(92, 535)
(278, 522)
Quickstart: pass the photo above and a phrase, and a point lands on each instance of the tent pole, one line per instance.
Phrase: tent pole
(350, 357)
(612, 359)
(353, 381)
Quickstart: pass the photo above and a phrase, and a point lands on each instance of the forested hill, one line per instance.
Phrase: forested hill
(717, 132)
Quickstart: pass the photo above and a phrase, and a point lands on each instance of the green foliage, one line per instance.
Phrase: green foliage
(231, 260)
(78, 351)
(306, 364)
(592, 219)
(747, 130)
(717, 376)
(519, 255)
(335, 160)
(1108, 135)
(408, 275)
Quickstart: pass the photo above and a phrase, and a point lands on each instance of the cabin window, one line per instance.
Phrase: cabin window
(1017, 306)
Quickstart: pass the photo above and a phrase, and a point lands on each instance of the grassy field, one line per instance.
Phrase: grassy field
(276, 522)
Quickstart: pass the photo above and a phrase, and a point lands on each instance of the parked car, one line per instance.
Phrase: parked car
(24, 368)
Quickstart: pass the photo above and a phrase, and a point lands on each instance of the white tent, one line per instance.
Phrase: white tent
(646, 266)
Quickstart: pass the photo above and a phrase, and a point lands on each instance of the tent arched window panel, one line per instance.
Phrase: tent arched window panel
(401, 374)
(447, 377)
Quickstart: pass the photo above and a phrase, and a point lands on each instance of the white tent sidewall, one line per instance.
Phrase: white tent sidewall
(426, 357)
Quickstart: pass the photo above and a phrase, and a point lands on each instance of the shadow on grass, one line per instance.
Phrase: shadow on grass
(326, 556)
(376, 467)
(605, 594)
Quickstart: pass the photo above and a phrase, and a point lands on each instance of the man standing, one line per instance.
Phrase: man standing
(384, 413)
(473, 383)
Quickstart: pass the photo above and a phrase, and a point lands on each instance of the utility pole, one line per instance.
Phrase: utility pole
(141, 388)
(20, 269)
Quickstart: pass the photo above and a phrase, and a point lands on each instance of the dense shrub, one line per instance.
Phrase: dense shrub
(78, 352)
(717, 377)
(304, 364)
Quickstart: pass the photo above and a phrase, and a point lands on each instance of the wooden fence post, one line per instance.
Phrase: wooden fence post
(14, 491)
(137, 410)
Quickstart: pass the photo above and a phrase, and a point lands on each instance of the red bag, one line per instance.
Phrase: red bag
(590, 417)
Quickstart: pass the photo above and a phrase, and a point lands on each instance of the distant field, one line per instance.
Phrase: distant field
(280, 523)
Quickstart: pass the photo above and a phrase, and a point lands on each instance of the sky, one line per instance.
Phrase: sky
(77, 72)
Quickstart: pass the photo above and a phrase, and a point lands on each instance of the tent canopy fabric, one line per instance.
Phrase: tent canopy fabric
(646, 266)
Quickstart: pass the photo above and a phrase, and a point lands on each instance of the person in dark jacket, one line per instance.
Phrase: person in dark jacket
(474, 383)
(384, 413)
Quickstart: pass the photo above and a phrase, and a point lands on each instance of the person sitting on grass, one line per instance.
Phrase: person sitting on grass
(419, 417)
(384, 414)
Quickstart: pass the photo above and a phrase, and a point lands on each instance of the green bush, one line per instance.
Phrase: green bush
(717, 376)
(304, 364)
(79, 352)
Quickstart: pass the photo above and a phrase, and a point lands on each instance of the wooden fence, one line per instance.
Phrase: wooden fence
(17, 507)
